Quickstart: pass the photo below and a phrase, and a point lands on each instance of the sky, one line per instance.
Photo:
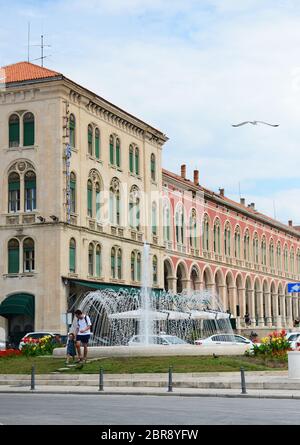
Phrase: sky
(190, 68)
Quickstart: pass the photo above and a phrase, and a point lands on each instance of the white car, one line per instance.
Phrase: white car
(36, 335)
(224, 339)
(294, 339)
(163, 339)
(2, 345)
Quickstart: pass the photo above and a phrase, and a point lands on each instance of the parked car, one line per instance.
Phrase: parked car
(163, 339)
(294, 339)
(225, 340)
(98, 341)
(37, 335)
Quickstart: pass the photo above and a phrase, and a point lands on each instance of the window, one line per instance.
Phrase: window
(138, 264)
(111, 150)
(28, 255)
(247, 246)
(30, 191)
(255, 249)
(292, 261)
(137, 161)
(73, 191)
(264, 252)
(153, 167)
(98, 260)
(132, 266)
(154, 266)
(217, 237)
(193, 229)
(90, 198)
(13, 192)
(97, 143)
(205, 232)
(91, 259)
(90, 140)
(113, 263)
(14, 130)
(179, 222)
(271, 254)
(116, 263)
(154, 218)
(119, 266)
(114, 205)
(72, 256)
(98, 201)
(28, 129)
(286, 259)
(131, 159)
(118, 153)
(237, 243)
(167, 221)
(227, 240)
(278, 257)
(72, 127)
(135, 266)
(298, 261)
(134, 208)
(13, 256)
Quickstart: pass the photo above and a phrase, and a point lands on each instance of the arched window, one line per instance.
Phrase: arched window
(137, 161)
(179, 221)
(154, 218)
(278, 257)
(255, 249)
(14, 130)
(134, 208)
(111, 150)
(98, 260)
(131, 159)
(113, 263)
(28, 255)
(167, 221)
(30, 191)
(154, 266)
(286, 259)
(98, 201)
(138, 263)
(205, 233)
(28, 129)
(72, 128)
(237, 243)
(132, 266)
(119, 265)
(247, 246)
(217, 236)
(90, 140)
(97, 143)
(292, 260)
(118, 152)
(114, 205)
(264, 252)
(90, 198)
(72, 256)
(91, 259)
(193, 229)
(227, 240)
(73, 191)
(271, 255)
(13, 256)
(13, 192)
(153, 167)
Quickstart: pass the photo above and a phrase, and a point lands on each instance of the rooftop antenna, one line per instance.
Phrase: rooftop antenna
(240, 189)
(42, 45)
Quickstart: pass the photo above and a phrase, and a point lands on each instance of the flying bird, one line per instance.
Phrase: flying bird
(255, 123)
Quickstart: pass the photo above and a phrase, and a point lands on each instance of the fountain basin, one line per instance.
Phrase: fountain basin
(158, 350)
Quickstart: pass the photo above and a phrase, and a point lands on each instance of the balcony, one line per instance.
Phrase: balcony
(168, 245)
(181, 248)
(12, 220)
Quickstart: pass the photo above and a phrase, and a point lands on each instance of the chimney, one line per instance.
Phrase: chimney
(222, 192)
(252, 205)
(196, 177)
(183, 171)
(290, 223)
(242, 201)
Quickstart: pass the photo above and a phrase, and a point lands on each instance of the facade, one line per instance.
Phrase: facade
(83, 188)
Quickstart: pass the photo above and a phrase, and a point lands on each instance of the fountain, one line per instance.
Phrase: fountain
(117, 316)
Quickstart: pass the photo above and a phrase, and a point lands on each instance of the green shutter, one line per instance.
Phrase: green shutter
(28, 133)
(72, 256)
(14, 134)
(137, 162)
(73, 185)
(97, 147)
(131, 161)
(14, 186)
(13, 260)
(30, 184)
(118, 154)
(111, 152)
(90, 201)
(98, 264)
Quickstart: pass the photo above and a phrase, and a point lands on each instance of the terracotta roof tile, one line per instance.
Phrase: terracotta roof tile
(22, 71)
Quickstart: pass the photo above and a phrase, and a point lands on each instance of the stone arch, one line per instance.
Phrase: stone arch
(220, 285)
(207, 278)
(168, 274)
(230, 293)
(195, 277)
(257, 300)
(181, 276)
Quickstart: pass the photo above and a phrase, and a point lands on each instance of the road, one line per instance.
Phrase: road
(52, 409)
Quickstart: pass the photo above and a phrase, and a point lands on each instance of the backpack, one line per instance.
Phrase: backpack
(85, 319)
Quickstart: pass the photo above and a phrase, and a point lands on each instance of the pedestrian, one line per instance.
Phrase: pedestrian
(71, 349)
(83, 333)
(247, 318)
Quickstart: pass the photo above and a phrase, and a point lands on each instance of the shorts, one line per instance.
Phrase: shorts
(83, 338)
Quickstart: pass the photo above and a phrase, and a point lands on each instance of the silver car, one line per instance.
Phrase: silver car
(163, 339)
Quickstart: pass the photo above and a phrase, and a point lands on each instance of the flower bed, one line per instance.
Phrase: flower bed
(274, 345)
(41, 346)
(10, 353)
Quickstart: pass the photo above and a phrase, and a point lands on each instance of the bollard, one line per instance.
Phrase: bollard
(101, 379)
(170, 384)
(32, 378)
(243, 381)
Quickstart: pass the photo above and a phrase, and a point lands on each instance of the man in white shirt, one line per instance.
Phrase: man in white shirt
(83, 333)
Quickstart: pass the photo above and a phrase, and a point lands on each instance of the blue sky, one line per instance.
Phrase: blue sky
(190, 68)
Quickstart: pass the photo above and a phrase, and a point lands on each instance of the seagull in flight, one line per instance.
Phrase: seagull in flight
(255, 123)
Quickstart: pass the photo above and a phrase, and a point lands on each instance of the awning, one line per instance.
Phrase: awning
(17, 304)
(100, 286)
